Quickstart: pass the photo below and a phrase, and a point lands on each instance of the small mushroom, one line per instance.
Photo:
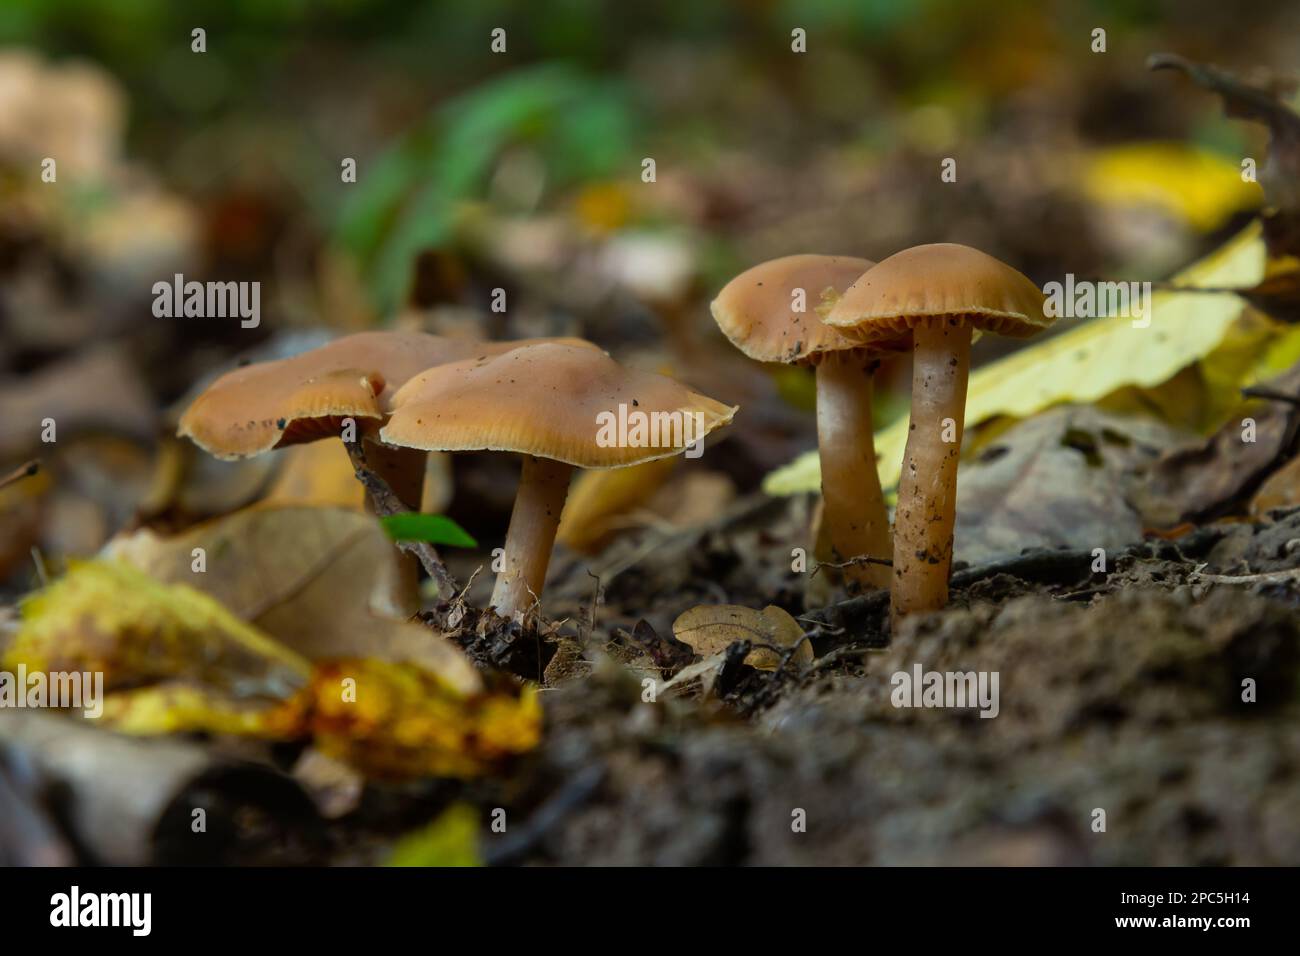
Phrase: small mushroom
(256, 408)
(939, 294)
(559, 405)
(757, 311)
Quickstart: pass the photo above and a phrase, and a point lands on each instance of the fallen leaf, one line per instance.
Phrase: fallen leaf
(1062, 479)
(711, 628)
(1215, 476)
(450, 840)
(173, 707)
(403, 721)
(105, 616)
(1279, 490)
(326, 582)
(1195, 185)
(1087, 363)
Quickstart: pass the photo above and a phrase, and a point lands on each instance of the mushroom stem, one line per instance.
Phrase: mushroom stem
(401, 468)
(855, 512)
(927, 490)
(543, 486)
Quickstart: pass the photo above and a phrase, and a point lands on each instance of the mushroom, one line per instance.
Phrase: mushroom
(756, 310)
(559, 405)
(254, 409)
(941, 294)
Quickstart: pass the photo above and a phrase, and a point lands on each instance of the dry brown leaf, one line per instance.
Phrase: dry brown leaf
(326, 582)
(1279, 490)
(107, 617)
(711, 628)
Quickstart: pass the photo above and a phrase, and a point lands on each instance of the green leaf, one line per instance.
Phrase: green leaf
(451, 840)
(435, 529)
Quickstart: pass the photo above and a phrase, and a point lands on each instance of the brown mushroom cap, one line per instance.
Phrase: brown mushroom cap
(305, 397)
(943, 279)
(544, 400)
(755, 309)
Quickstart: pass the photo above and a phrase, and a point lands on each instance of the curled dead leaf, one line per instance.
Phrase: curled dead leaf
(326, 582)
(711, 628)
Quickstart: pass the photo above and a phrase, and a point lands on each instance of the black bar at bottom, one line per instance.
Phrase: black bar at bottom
(299, 906)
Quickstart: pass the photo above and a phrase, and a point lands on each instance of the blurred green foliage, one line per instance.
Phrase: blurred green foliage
(585, 89)
(579, 126)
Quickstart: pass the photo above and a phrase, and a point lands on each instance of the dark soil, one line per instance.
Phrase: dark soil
(1120, 692)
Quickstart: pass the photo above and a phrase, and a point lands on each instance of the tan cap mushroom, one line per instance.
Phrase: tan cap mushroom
(940, 294)
(269, 405)
(559, 405)
(773, 313)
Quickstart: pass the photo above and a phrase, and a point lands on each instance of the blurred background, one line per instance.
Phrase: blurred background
(523, 170)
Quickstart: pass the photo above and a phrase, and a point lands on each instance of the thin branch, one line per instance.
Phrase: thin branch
(1267, 577)
(21, 472)
(1271, 394)
(385, 503)
(852, 563)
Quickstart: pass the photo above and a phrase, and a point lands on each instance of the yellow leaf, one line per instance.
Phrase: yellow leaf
(109, 618)
(1087, 363)
(326, 582)
(402, 721)
(1201, 188)
(450, 840)
(711, 628)
(603, 207)
(178, 708)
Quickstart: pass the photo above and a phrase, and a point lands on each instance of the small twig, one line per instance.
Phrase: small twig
(852, 563)
(21, 472)
(40, 566)
(1267, 577)
(385, 503)
(595, 600)
(1271, 394)
(837, 654)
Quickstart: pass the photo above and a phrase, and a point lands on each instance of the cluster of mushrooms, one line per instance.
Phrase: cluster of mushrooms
(409, 393)
(405, 394)
(932, 300)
